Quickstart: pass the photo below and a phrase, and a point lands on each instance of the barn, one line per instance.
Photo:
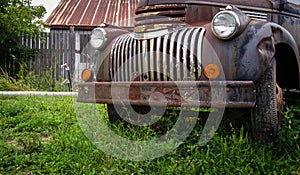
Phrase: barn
(71, 23)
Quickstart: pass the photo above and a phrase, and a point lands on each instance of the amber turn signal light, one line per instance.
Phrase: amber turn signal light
(211, 71)
(87, 75)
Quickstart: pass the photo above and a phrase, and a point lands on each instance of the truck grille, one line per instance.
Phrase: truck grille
(175, 56)
(257, 15)
(260, 16)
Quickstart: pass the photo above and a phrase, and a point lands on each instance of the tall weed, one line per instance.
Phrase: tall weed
(290, 131)
(8, 83)
(27, 79)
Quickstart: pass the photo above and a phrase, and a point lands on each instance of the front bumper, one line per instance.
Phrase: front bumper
(229, 94)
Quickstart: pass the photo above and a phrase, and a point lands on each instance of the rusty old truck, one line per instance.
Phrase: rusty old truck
(235, 54)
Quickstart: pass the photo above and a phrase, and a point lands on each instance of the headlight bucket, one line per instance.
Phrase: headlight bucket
(98, 38)
(225, 25)
(229, 23)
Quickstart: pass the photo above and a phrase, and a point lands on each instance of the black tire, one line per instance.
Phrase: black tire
(124, 113)
(113, 116)
(264, 117)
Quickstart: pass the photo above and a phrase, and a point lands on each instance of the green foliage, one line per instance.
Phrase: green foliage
(22, 54)
(41, 135)
(19, 17)
(42, 82)
(26, 80)
(290, 133)
(8, 83)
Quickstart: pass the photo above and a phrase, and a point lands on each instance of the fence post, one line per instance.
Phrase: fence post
(72, 51)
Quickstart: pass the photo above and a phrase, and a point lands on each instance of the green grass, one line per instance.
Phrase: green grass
(41, 135)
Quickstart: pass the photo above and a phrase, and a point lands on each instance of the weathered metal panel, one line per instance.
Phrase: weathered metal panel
(234, 94)
(92, 13)
(270, 4)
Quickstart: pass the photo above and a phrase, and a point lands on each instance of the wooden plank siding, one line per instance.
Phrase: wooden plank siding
(57, 48)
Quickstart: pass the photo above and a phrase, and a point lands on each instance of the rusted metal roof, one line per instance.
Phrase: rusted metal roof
(88, 14)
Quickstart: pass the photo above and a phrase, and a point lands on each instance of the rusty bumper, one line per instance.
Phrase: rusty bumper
(229, 94)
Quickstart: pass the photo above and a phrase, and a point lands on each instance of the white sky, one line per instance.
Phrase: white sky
(48, 4)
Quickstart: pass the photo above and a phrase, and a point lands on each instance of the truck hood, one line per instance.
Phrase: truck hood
(265, 4)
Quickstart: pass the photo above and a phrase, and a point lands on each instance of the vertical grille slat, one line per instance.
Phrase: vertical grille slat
(152, 60)
(126, 59)
(145, 58)
(199, 53)
(193, 53)
(178, 58)
(186, 44)
(158, 59)
(175, 56)
(121, 62)
(139, 58)
(178, 54)
(135, 64)
(165, 57)
(172, 56)
(113, 62)
(116, 61)
(130, 59)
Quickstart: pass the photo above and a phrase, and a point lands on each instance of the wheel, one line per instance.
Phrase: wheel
(130, 114)
(113, 116)
(265, 117)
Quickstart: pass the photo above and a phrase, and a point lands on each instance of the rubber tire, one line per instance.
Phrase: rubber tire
(264, 117)
(115, 116)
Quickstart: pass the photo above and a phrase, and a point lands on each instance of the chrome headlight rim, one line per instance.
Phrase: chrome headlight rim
(98, 38)
(237, 25)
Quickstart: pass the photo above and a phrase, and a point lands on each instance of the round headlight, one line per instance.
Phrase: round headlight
(98, 38)
(225, 25)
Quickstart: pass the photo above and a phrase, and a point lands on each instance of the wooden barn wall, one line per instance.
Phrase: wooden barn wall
(56, 48)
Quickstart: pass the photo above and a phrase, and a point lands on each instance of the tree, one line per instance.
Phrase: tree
(17, 18)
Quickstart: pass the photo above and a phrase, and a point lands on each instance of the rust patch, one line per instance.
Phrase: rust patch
(280, 103)
(237, 94)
